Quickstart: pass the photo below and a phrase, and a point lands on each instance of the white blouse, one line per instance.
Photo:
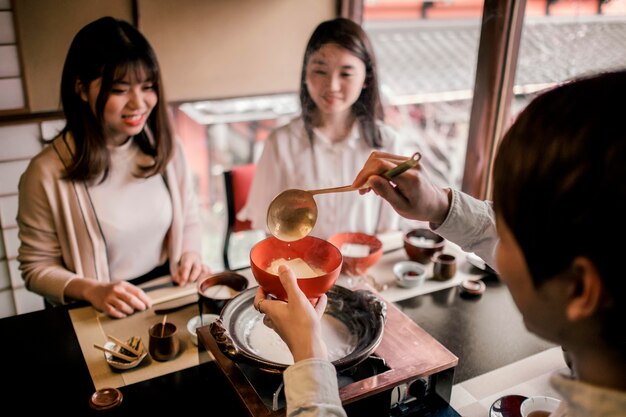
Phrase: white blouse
(289, 161)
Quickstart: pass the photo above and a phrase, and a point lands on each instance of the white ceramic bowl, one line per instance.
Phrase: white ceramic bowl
(409, 274)
(538, 403)
(195, 322)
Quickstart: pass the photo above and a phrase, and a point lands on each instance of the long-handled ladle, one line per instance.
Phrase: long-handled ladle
(292, 214)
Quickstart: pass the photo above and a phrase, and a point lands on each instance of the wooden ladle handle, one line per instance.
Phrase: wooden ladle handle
(393, 172)
(332, 190)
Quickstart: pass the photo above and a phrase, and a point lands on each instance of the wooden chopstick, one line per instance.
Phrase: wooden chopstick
(116, 354)
(124, 345)
(173, 294)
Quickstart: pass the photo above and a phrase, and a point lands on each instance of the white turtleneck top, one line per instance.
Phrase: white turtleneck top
(134, 215)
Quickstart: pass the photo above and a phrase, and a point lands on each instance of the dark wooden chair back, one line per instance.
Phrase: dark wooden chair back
(237, 183)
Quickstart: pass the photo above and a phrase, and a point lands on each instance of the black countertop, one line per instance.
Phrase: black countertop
(43, 369)
(484, 332)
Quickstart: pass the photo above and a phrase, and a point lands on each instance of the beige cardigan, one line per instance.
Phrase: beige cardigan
(60, 239)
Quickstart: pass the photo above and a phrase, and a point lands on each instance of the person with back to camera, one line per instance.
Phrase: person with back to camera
(109, 203)
(340, 124)
(559, 171)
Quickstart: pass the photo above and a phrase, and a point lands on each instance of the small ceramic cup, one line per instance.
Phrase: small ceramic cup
(163, 344)
(444, 266)
(539, 406)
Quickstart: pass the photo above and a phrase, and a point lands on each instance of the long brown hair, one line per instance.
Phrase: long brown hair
(110, 49)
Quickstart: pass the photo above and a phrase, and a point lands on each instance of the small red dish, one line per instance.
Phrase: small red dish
(350, 244)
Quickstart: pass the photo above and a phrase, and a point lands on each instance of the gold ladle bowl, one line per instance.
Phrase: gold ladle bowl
(292, 214)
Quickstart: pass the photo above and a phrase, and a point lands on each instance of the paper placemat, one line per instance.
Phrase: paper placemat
(382, 273)
(92, 327)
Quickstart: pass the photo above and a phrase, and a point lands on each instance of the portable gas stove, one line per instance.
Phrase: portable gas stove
(409, 374)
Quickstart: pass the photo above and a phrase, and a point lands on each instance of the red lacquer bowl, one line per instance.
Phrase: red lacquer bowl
(358, 265)
(317, 253)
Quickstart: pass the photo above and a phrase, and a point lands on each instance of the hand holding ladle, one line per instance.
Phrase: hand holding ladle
(293, 213)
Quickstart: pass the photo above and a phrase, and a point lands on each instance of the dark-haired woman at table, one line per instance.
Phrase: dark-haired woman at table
(341, 123)
(110, 202)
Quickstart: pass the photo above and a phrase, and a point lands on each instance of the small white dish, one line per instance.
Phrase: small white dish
(195, 322)
(539, 406)
(409, 274)
(119, 363)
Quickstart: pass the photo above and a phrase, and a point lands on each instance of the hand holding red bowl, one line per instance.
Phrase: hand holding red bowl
(315, 262)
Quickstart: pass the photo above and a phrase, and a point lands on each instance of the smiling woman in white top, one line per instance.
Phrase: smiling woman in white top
(110, 202)
(340, 125)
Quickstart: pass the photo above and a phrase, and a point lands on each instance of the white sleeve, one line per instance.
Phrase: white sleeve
(471, 224)
(311, 389)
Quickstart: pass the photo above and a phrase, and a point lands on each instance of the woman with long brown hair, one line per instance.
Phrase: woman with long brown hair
(341, 123)
(109, 203)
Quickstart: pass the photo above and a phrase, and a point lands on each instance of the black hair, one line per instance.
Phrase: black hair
(560, 182)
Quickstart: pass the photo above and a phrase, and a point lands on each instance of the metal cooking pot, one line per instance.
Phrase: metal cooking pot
(361, 312)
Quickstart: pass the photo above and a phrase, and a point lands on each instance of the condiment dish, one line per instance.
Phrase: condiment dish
(198, 321)
(409, 274)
